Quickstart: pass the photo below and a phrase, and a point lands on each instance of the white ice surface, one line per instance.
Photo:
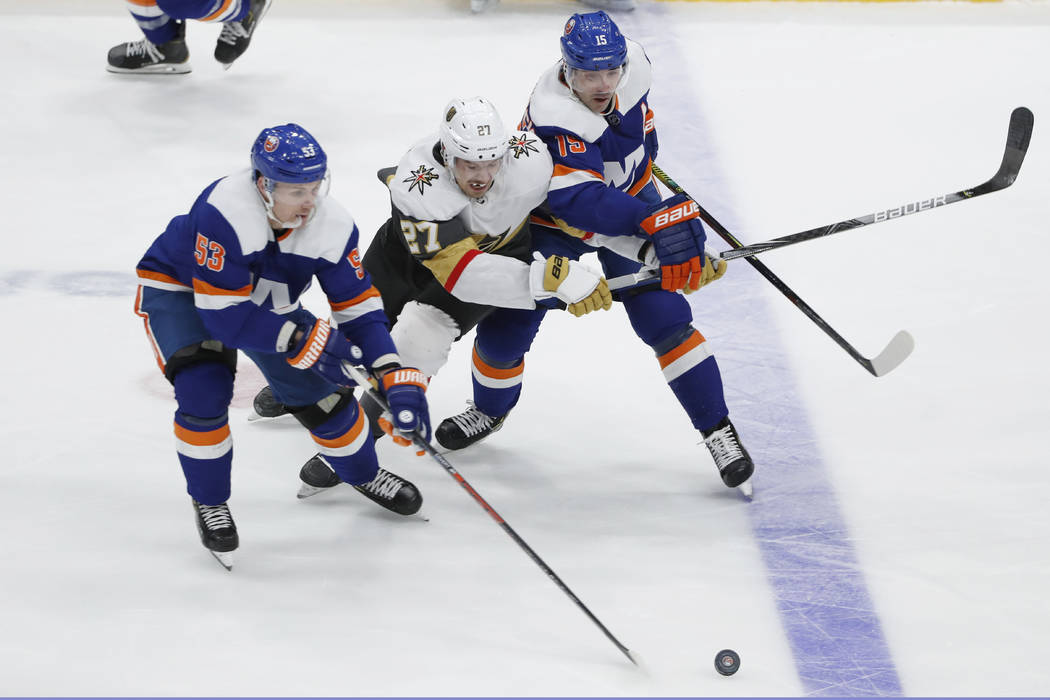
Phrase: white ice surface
(778, 118)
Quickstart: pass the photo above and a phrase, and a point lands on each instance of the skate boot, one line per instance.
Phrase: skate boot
(235, 36)
(144, 56)
(392, 492)
(733, 462)
(218, 531)
(466, 428)
(316, 476)
(266, 405)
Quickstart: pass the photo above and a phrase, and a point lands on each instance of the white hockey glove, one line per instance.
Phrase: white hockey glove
(582, 290)
(713, 270)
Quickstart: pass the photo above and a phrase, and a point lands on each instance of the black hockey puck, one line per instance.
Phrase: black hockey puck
(727, 662)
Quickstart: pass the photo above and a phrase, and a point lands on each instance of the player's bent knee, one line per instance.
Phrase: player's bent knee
(672, 339)
(424, 335)
(208, 351)
(317, 414)
(204, 388)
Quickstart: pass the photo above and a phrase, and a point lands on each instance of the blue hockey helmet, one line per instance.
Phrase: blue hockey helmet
(288, 153)
(592, 41)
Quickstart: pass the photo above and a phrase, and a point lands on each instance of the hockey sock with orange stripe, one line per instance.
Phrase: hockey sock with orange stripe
(158, 26)
(692, 373)
(345, 442)
(205, 450)
(497, 385)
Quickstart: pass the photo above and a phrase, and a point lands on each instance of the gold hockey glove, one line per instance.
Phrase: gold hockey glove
(582, 290)
(713, 270)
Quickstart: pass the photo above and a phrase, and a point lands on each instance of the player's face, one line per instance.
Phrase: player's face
(595, 88)
(475, 178)
(294, 200)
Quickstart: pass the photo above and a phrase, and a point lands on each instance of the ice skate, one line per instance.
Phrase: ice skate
(467, 428)
(733, 462)
(387, 489)
(266, 405)
(392, 492)
(235, 36)
(218, 531)
(143, 56)
(316, 476)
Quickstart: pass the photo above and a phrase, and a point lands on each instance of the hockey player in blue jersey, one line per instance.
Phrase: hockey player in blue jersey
(163, 22)
(228, 276)
(592, 110)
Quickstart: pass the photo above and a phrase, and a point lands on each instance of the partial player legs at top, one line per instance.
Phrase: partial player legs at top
(618, 5)
(163, 22)
(236, 35)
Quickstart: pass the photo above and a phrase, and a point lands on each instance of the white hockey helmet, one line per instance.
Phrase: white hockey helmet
(472, 129)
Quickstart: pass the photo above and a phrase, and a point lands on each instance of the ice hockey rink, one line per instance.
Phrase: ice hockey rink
(898, 542)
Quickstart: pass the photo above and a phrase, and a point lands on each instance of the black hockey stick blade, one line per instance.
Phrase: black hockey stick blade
(891, 356)
(1017, 138)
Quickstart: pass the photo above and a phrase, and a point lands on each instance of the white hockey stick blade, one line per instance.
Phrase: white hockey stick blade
(224, 558)
(893, 354)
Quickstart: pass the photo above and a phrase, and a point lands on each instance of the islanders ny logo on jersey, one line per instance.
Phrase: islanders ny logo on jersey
(271, 143)
(522, 145)
(420, 177)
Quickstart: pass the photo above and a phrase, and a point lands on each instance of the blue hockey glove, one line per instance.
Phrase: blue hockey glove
(678, 237)
(324, 349)
(405, 391)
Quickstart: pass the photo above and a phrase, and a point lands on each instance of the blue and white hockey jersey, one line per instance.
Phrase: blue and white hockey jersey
(600, 161)
(245, 277)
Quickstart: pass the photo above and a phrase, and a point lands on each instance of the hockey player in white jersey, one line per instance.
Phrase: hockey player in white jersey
(228, 276)
(458, 242)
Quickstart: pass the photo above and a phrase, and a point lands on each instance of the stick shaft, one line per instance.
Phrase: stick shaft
(361, 379)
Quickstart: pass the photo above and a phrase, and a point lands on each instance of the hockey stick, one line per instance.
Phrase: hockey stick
(886, 361)
(361, 378)
(1017, 138)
